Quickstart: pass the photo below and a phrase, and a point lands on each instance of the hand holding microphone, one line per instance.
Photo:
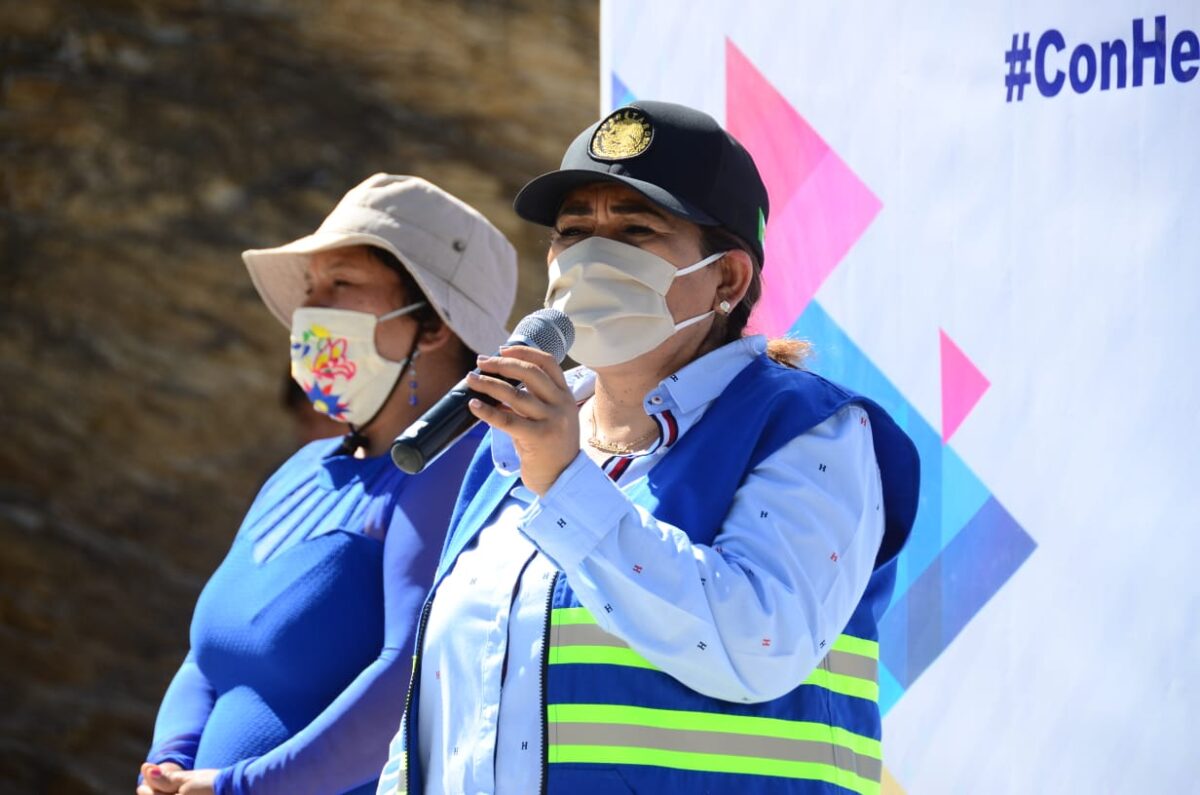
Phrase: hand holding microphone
(541, 417)
(534, 350)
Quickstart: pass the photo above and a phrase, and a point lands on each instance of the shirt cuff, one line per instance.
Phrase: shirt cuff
(184, 761)
(504, 453)
(232, 780)
(576, 512)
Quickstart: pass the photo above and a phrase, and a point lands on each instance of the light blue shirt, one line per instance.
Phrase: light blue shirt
(785, 573)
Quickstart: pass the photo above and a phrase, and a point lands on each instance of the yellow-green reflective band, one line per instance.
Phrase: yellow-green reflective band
(583, 635)
(755, 746)
(714, 722)
(839, 662)
(599, 655)
(859, 646)
(571, 615)
(843, 685)
(575, 638)
(712, 763)
(565, 616)
(713, 742)
(850, 668)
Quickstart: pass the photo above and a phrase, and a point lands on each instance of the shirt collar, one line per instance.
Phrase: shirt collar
(699, 383)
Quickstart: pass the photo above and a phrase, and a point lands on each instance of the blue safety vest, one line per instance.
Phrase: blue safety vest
(614, 723)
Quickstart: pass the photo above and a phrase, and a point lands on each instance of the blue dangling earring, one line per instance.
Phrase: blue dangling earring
(412, 379)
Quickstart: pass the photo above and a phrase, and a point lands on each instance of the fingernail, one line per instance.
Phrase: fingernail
(155, 772)
(475, 403)
(482, 358)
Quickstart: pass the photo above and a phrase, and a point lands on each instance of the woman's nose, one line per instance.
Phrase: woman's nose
(316, 295)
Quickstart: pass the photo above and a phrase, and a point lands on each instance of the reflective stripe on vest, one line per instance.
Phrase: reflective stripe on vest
(614, 734)
(851, 668)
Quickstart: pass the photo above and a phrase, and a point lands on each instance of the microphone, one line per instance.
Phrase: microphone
(438, 428)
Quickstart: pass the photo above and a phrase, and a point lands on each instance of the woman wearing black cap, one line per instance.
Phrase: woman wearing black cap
(665, 570)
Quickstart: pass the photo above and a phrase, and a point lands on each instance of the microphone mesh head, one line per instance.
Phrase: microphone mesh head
(547, 330)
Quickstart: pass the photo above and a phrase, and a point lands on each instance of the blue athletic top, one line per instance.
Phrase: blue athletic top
(301, 641)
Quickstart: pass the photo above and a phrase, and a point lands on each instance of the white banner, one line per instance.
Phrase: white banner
(987, 216)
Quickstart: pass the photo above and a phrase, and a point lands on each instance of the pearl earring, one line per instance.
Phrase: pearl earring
(725, 307)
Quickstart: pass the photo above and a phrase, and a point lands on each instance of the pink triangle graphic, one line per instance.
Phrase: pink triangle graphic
(819, 207)
(962, 386)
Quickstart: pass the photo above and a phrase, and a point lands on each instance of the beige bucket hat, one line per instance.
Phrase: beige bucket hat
(464, 265)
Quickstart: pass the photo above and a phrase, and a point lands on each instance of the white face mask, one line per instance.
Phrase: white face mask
(335, 362)
(615, 294)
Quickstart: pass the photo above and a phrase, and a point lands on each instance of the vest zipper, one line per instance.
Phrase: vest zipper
(542, 681)
(412, 684)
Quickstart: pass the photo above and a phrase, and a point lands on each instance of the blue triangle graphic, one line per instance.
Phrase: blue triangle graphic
(945, 575)
(621, 95)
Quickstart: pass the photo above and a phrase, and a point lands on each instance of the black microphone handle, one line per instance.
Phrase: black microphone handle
(420, 444)
(439, 427)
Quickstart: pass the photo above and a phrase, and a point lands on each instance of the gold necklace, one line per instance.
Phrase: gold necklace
(618, 448)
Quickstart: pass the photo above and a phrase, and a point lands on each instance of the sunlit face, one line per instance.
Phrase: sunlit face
(352, 278)
(606, 209)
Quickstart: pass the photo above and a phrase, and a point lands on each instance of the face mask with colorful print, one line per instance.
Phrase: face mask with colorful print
(335, 362)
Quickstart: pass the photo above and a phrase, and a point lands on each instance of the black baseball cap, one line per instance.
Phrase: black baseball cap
(676, 156)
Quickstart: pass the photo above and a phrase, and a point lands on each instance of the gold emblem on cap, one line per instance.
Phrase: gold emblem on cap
(624, 134)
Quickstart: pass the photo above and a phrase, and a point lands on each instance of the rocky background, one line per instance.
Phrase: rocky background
(143, 145)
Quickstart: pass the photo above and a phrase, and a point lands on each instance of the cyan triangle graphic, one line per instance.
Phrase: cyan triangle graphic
(964, 546)
(889, 689)
(963, 494)
(621, 95)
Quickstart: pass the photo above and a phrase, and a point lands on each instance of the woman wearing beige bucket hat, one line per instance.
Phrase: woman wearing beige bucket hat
(301, 641)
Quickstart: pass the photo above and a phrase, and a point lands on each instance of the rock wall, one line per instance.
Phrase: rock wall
(144, 144)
